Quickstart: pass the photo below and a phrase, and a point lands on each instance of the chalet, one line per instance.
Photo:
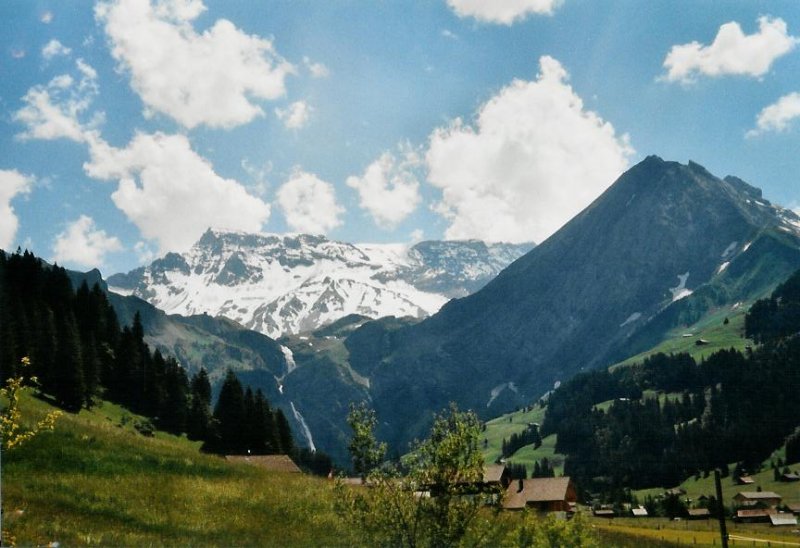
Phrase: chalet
(541, 494)
(754, 515)
(745, 480)
(794, 509)
(767, 498)
(782, 518)
(675, 492)
(790, 477)
(274, 463)
(699, 513)
(701, 342)
(604, 513)
(496, 476)
(639, 512)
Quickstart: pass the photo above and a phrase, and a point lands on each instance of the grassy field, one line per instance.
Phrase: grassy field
(95, 480)
(515, 423)
(711, 328)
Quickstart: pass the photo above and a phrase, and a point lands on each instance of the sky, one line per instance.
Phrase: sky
(129, 127)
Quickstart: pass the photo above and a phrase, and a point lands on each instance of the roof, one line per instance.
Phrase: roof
(604, 512)
(492, 473)
(760, 512)
(783, 519)
(699, 512)
(746, 480)
(757, 495)
(794, 508)
(639, 512)
(537, 490)
(275, 463)
(675, 491)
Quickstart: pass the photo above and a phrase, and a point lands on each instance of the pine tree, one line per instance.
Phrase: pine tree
(69, 388)
(197, 427)
(229, 414)
(284, 433)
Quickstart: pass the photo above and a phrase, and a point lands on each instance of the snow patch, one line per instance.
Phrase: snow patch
(632, 318)
(306, 431)
(497, 390)
(291, 365)
(722, 267)
(680, 291)
(746, 246)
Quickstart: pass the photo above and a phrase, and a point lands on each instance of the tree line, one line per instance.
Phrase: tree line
(80, 354)
(730, 407)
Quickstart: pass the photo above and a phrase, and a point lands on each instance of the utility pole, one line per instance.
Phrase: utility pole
(723, 532)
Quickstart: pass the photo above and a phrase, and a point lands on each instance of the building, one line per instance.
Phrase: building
(783, 519)
(541, 494)
(496, 475)
(639, 512)
(766, 498)
(699, 513)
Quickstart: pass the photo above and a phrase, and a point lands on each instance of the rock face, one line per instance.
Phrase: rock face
(616, 276)
(286, 284)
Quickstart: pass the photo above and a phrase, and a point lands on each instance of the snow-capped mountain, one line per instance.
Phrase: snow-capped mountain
(281, 284)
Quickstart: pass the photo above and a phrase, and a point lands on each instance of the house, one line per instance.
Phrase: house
(789, 477)
(760, 515)
(745, 480)
(767, 498)
(496, 475)
(541, 494)
(783, 518)
(640, 512)
(675, 492)
(794, 509)
(604, 513)
(274, 463)
(699, 513)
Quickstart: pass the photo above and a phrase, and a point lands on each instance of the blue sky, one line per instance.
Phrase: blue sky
(128, 127)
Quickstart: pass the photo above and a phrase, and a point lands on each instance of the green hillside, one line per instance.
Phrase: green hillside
(515, 423)
(96, 480)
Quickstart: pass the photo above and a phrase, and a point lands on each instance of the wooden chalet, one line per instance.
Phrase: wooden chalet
(604, 513)
(794, 509)
(766, 498)
(639, 512)
(699, 513)
(496, 475)
(274, 463)
(745, 480)
(790, 477)
(541, 494)
(754, 515)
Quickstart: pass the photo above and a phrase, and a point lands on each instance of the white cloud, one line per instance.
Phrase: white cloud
(317, 70)
(46, 17)
(295, 116)
(53, 111)
(309, 204)
(18, 53)
(208, 79)
(54, 48)
(417, 235)
(504, 12)
(449, 34)
(777, 116)
(732, 52)
(12, 183)
(170, 192)
(534, 158)
(389, 189)
(83, 244)
(144, 253)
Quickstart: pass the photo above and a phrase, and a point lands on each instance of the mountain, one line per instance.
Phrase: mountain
(662, 246)
(284, 284)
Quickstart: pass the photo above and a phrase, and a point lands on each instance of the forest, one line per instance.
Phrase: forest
(732, 407)
(80, 355)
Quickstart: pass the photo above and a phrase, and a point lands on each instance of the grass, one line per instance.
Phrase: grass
(96, 481)
(711, 328)
(515, 423)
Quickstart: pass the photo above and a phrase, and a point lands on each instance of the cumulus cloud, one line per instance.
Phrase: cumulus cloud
(389, 189)
(46, 17)
(533, 159)
(12, 183)
(504, 12)
(170, 192)
(210, 78)
(309, 203)
(732, 52)
(83, 244)
(777, 116)
(54, 48)
(295, 116)
(53, 111)
(317, 70)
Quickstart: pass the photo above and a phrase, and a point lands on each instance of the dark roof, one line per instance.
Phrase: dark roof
(275, 463)
(537, 490)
